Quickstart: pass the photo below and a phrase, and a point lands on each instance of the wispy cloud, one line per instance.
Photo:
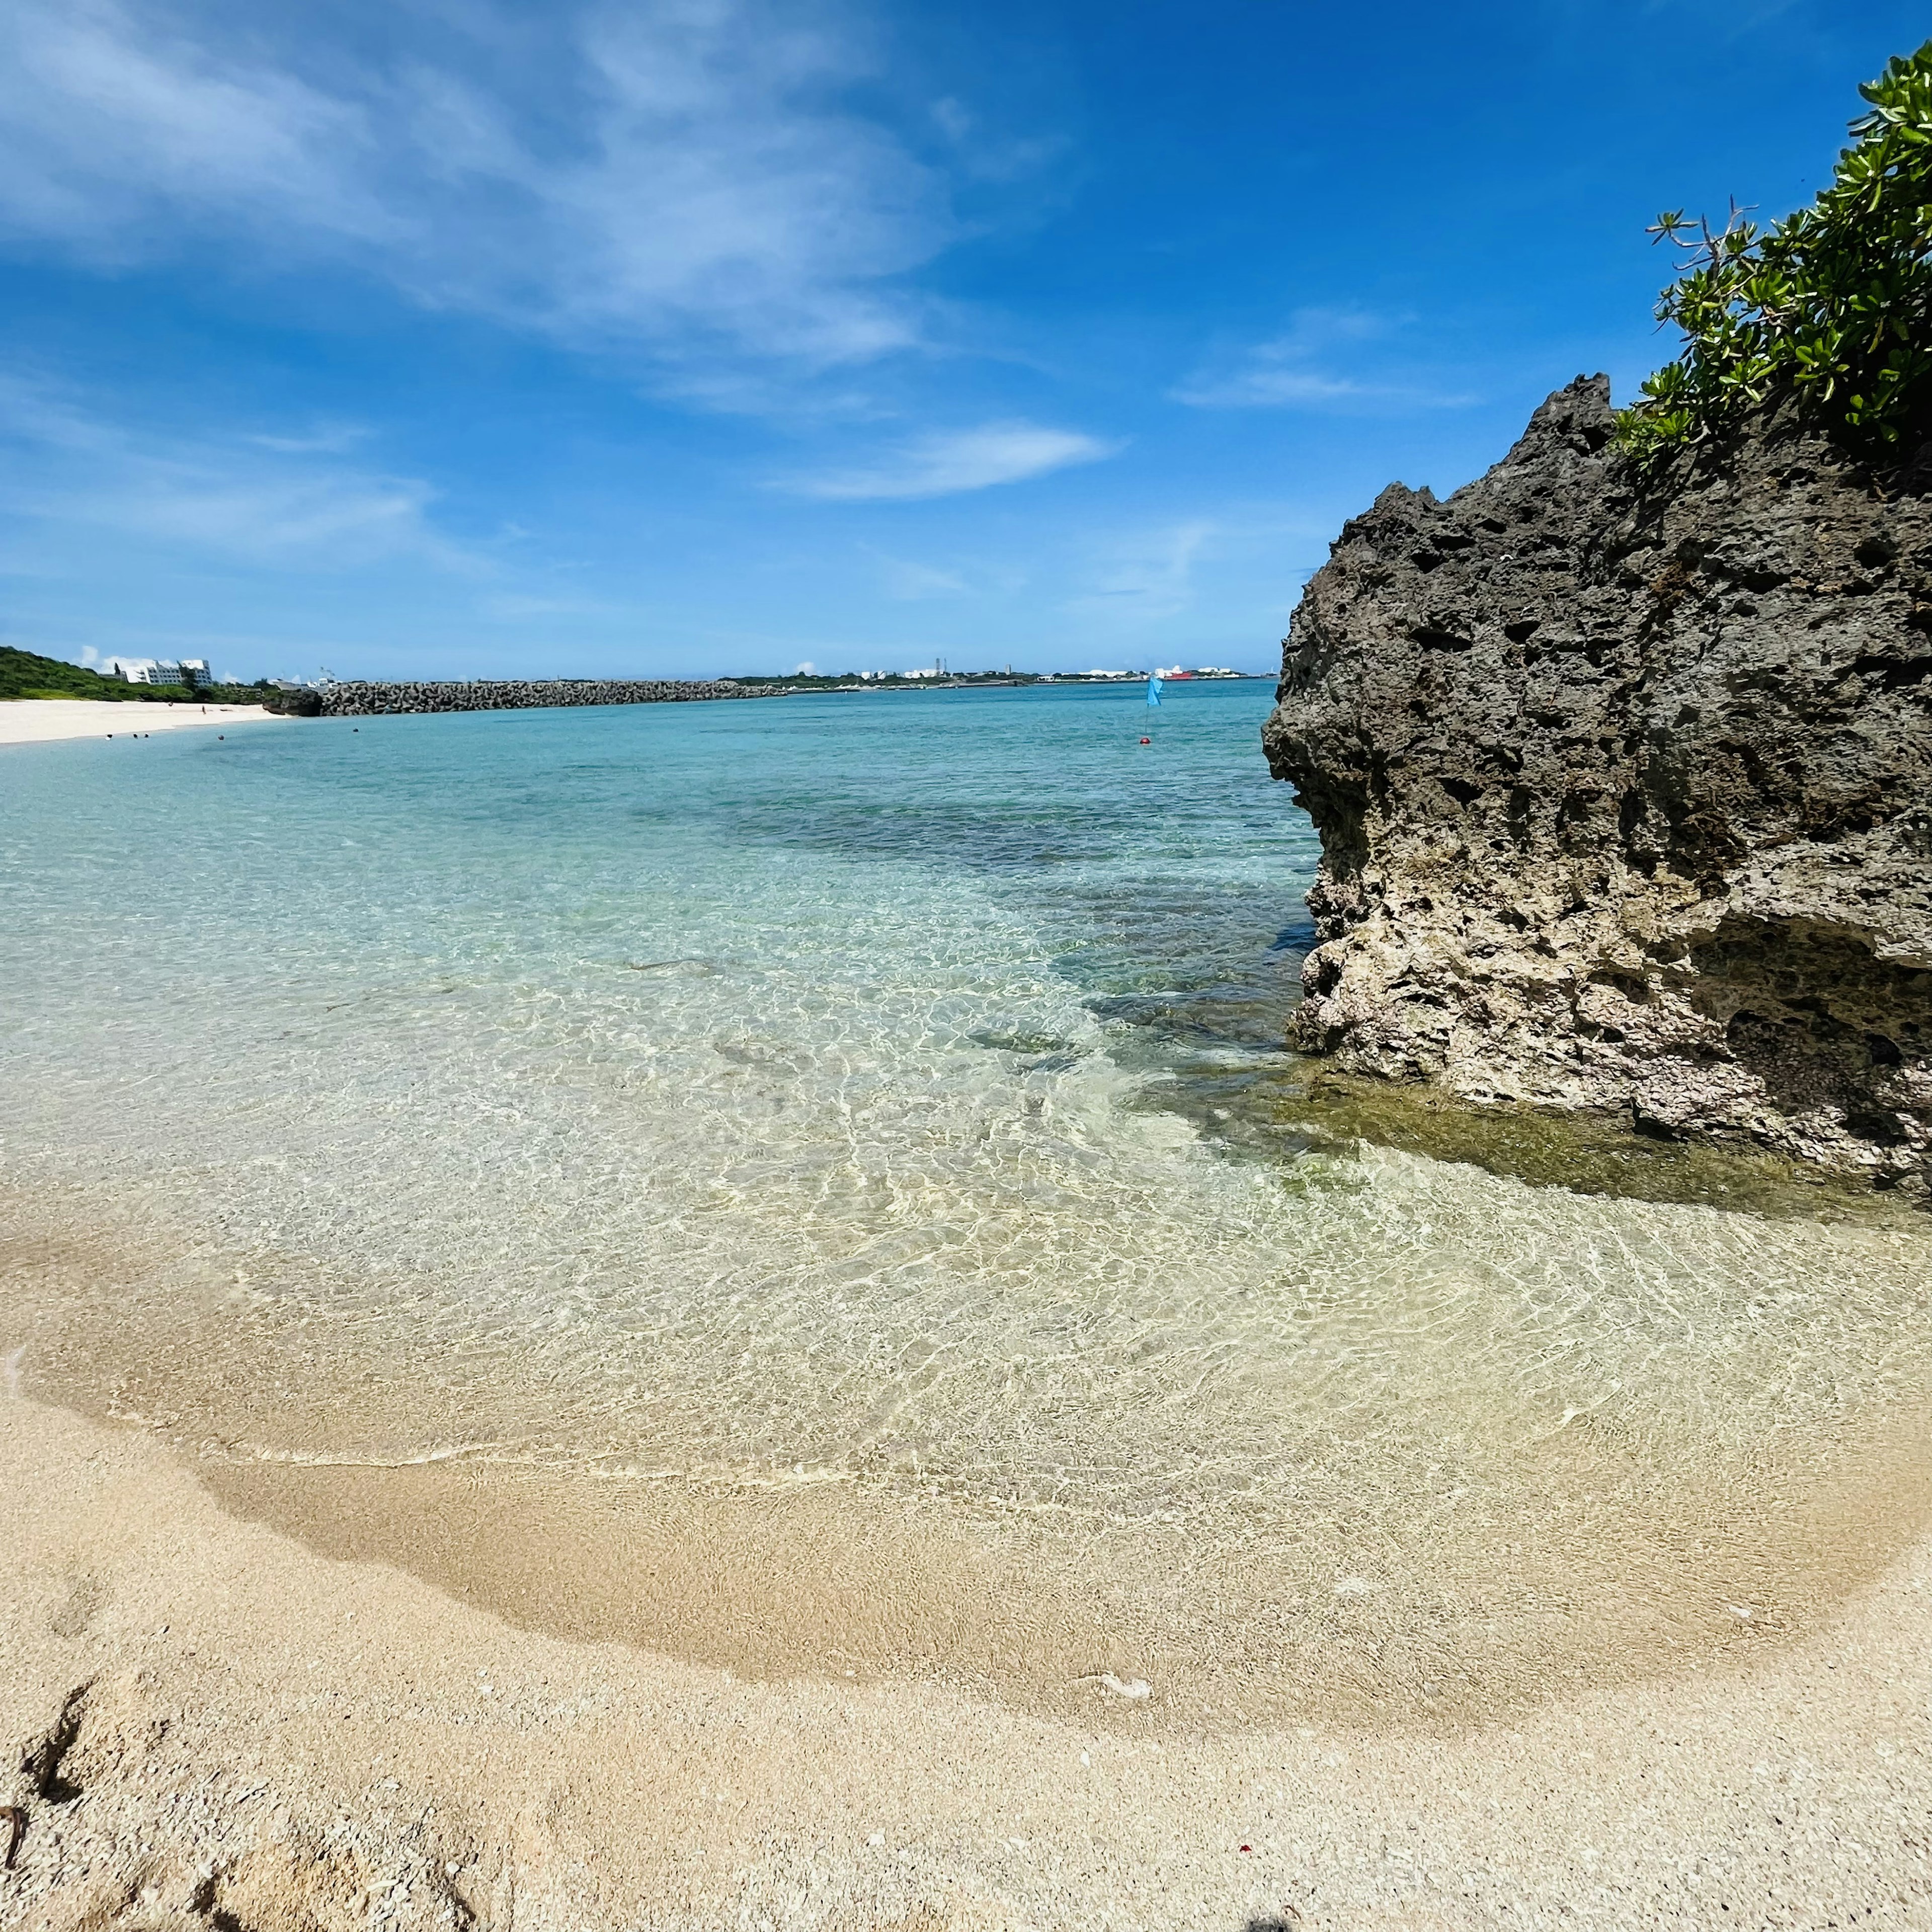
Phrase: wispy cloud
(1728, 19)
(986, 155)
(1315, 363)
(71, 464)
(326, 439)
(1238, 554)
(1151, 575)
(944, 464)
(684, 176)
(910, 583)
(520, 607)
(111, 116)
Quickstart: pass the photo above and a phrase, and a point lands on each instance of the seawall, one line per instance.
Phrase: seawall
(370, 700)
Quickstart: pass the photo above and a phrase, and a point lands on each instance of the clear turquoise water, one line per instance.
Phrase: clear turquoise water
(841, 1088)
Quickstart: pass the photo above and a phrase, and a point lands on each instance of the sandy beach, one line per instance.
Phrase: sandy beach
(42, 721)
(245, 1733)
(1266, 1268)
(602, 1371)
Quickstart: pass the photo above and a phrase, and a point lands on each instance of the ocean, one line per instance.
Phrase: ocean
(818, 1184)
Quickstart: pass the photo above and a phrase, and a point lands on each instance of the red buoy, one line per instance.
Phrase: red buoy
(1146, 741)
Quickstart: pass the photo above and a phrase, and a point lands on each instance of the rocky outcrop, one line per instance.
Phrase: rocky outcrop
(302, 703)
(1624, 789)
(365, 700)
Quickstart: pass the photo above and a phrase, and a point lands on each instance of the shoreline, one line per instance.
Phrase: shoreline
(47, 721)
(366, 1201)
(262, 1727)
(483, 1486)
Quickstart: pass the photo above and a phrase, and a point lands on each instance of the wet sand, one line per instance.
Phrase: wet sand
(41, 721)
(1583, 1562)
(255, 1734)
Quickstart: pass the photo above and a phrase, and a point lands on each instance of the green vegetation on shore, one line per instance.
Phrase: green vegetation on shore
(24, 674)
(1830, 308)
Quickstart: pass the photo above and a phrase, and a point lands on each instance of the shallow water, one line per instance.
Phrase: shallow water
(843, 1144)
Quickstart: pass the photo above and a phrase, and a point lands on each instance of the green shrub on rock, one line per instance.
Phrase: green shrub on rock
(1831, 308)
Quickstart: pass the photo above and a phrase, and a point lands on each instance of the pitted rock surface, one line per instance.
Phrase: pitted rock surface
(1624, 789)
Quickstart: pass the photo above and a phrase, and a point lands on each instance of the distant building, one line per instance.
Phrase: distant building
(143, 670)
(193, 672)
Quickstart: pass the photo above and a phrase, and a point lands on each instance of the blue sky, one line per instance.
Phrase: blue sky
(460, 338)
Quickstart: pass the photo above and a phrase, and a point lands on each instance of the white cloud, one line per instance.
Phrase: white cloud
(105, 120)
(912, 582)
(517, 607)
(685, 175)
(1228, 556)
(908, 581)
(984, 154)
(1152, 575)
(1297, 369)
(1263, 383)
(242, 498)
(345, 520)
(328, 439)
(946, 463)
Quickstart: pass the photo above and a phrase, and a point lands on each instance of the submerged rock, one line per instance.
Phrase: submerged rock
(1624, 789)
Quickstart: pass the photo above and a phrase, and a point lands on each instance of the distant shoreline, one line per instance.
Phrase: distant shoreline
(40, 721)
(417, 696)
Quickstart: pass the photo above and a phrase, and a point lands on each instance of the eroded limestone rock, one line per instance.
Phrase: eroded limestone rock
(1625, 789)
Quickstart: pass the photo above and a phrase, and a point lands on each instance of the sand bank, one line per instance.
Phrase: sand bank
(40, 721)
(244, 1732)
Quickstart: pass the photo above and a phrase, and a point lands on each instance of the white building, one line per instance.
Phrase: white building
(193, 672)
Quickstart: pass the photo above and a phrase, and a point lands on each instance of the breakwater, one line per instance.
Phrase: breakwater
(366, 701)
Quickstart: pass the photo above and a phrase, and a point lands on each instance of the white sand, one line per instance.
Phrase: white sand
(39, 720)
(264, 1738)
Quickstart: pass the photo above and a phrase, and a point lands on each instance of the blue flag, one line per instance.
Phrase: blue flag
(1153, 687)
